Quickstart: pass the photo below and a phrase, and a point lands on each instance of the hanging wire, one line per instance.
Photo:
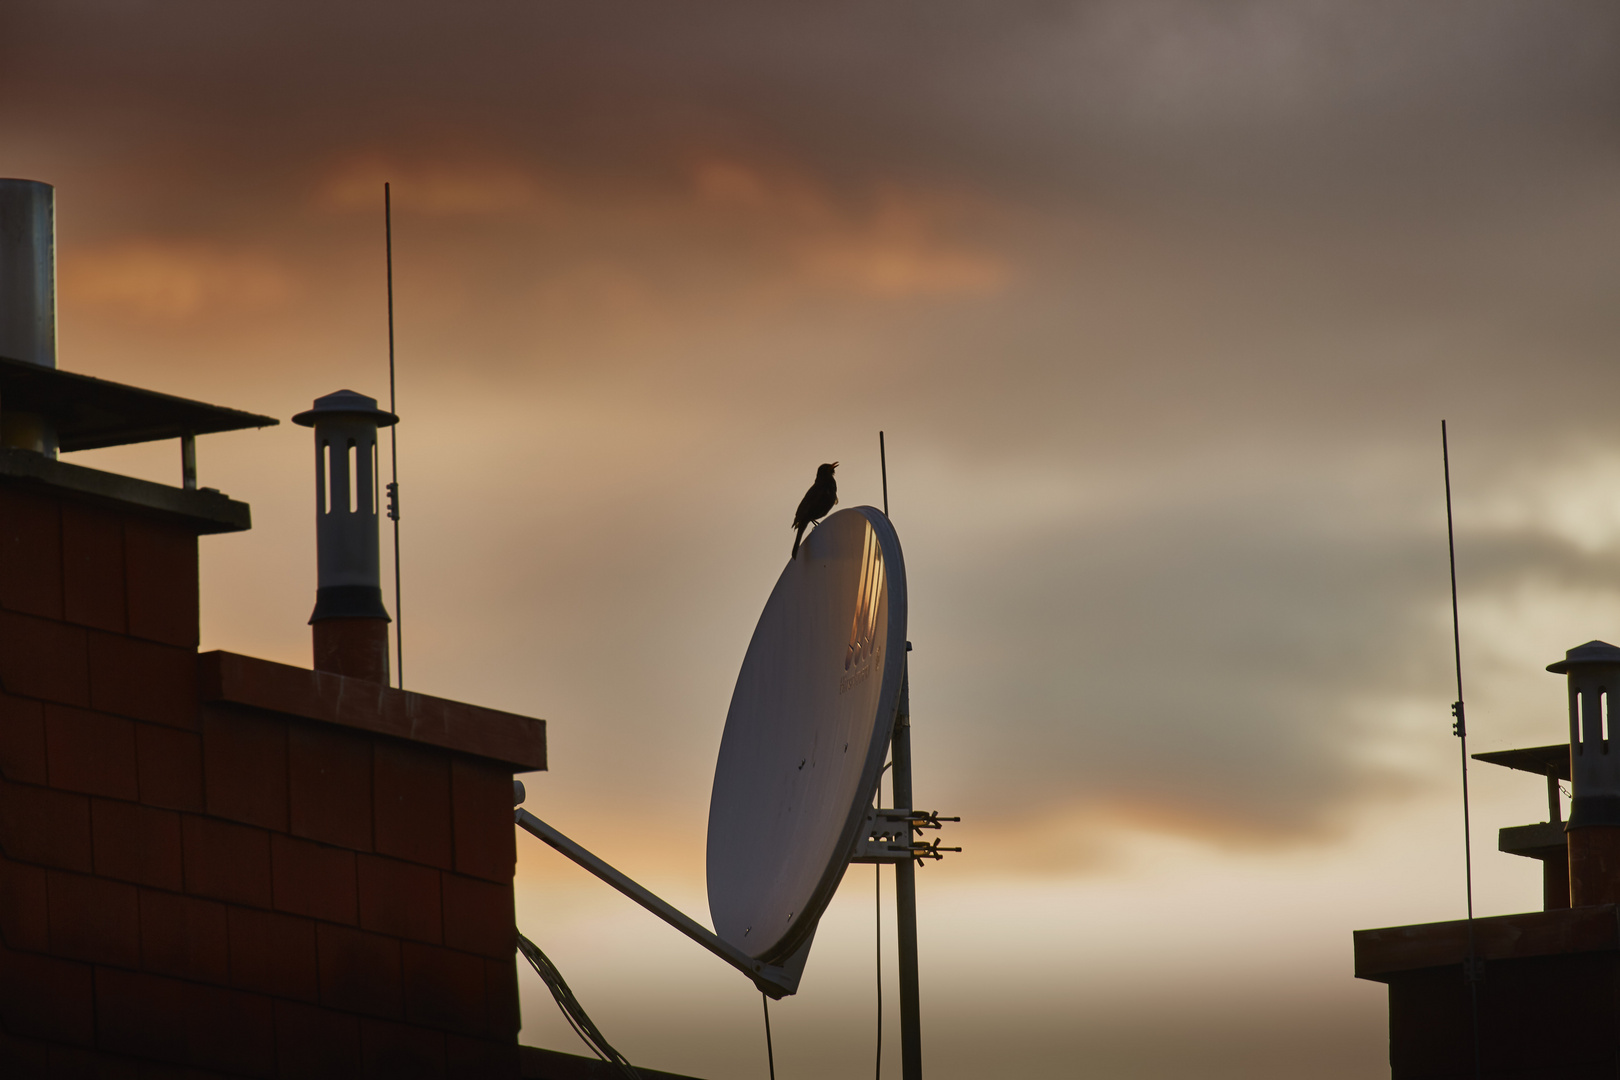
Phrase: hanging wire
(877, 868)
(770, 1055)
(575, 1013)
(877, 895)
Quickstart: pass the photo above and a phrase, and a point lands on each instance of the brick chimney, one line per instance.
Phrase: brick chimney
(350, 624)
(1594, 806)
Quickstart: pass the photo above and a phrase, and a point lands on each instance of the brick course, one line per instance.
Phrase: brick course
(313, 879)
(273, 953)
(44, 826)
(136, 843)
(413, 803)
(22, 740)
(185, 937)
(329, 785)
(94, 919)
(399, 898)
(90, 752)
(44, 659)
(30, 554)
(360, 972)
(93, 568)
(161, 584)
(169, 766)
(226, 861)
(245, 767)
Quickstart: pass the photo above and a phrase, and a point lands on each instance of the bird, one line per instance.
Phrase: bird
(821, 498)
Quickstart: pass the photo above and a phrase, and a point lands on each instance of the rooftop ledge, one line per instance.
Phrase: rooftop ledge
(228, 678)
(206, 511)
(1389, 950)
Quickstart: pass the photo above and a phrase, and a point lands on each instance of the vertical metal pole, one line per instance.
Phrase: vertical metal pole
(905, 897)
(1459, 728)
(393, 441)
(188, 461)
(883, 459)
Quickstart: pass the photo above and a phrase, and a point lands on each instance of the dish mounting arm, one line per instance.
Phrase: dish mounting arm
(777, 982)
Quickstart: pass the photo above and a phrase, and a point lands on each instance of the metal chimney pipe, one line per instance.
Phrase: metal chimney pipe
(1593, 831)
(350, 624)
(27, 300)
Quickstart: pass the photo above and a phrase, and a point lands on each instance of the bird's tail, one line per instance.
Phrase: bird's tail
(798, 536)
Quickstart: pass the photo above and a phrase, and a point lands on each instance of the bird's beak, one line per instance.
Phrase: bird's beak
(835, 464)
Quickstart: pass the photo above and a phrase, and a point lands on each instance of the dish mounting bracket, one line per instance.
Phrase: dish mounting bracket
(891, 836)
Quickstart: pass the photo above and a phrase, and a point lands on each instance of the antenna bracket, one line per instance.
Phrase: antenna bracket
(891, 836)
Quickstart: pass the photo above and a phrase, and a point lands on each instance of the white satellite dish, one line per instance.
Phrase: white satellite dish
(806, 735)
(812, 718)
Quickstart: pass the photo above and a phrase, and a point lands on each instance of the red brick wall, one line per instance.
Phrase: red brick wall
(219, 890)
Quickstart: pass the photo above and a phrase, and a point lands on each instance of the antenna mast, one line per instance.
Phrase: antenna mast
(393, 443)
(1459, 728)
(883, 458)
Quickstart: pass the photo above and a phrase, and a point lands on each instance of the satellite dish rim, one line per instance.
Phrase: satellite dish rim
(804, 923)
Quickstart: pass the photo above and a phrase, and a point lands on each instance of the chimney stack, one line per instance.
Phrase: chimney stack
(1594, 806)
(27, 301)
(350, 624)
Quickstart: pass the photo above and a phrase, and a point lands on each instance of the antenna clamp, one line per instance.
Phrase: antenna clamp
(891, 836)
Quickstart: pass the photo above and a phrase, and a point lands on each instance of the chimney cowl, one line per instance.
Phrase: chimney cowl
(1593, 677)
(346, 404)
(346, 505)
(1592, 653)
(350, 623)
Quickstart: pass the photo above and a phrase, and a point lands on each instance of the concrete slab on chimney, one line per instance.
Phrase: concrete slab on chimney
(229, 678)
(1386, 951)
(205, 512)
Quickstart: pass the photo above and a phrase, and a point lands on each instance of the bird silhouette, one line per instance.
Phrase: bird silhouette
(822, 497)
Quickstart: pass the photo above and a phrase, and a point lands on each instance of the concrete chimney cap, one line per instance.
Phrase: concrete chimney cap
(346, 403)
(1592, 653)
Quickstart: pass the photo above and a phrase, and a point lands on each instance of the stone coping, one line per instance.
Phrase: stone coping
(229, 678)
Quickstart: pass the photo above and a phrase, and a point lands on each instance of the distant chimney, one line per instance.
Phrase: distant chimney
(27, 301)
(1594, 750)
(350, 623)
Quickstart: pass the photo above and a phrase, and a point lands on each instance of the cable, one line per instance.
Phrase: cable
(770, 1055)
(877, 896)
(575, 1013)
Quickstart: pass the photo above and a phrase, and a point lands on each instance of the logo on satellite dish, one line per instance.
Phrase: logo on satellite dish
(864, 648)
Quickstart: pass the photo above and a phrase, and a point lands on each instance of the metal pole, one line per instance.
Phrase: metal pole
(769, 978)
(1459, 728)
(393, 442)
(905, 897)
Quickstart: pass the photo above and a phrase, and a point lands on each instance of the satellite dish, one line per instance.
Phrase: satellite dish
(808, 729)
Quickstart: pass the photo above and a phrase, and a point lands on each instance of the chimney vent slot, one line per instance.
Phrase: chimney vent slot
(323, 478)
(353, 468)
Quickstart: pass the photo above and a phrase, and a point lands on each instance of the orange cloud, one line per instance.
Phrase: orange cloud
(164, 281)
(898, 248)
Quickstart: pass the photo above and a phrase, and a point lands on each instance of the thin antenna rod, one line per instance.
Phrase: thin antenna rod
(883, 456)
(1459, 728)
(393, 443)
(770, 1055)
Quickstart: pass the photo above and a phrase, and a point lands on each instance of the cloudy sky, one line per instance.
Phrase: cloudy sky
(1160, 303)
